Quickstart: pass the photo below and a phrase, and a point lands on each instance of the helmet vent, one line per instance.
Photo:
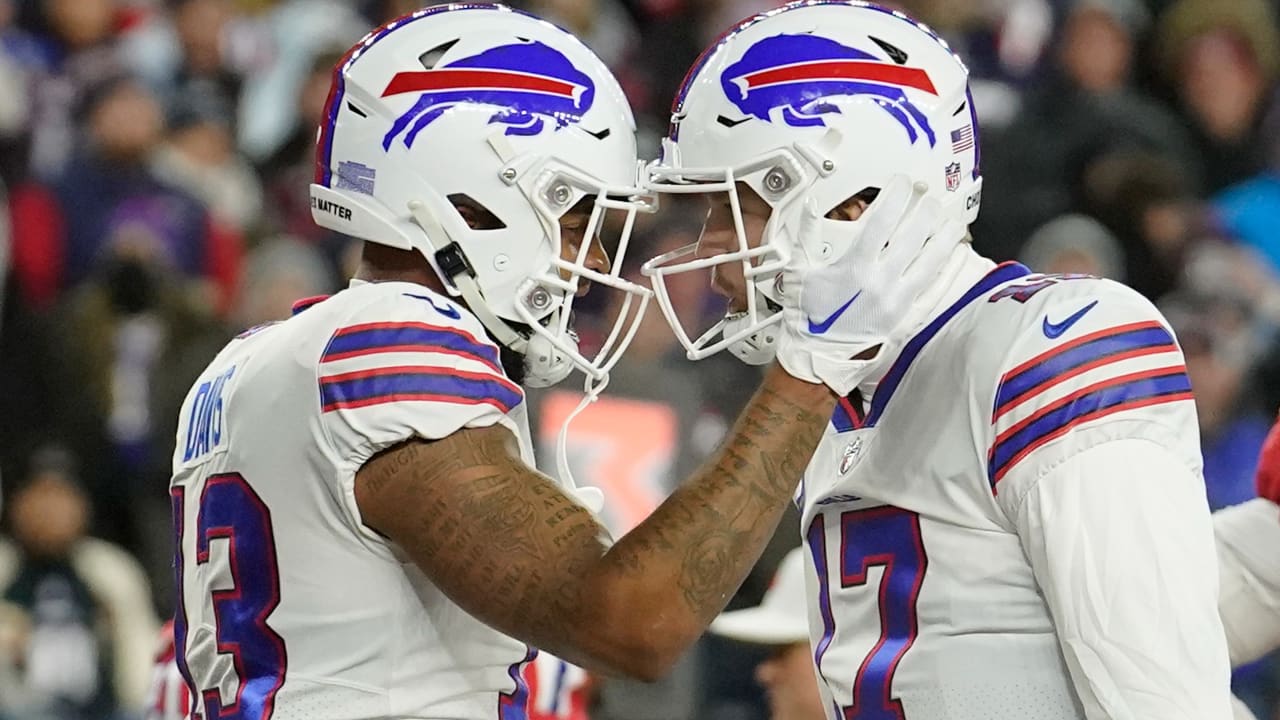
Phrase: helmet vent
(430, 58)
(960, 109)
(730, 122)
(894, 52)
(356, 110)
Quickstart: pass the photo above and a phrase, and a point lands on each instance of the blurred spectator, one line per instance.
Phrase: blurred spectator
(298, 31)
(76, 625)
(1074, 244)
(277, 273)
(137, 333)
(603, 25)
(1250, 212)
(778, 625)
(201, 27)
(1085, 108)
(1147, 202)
(381, 12)
(288, 173)
(78, 55)
(20, 60)
(1221, 57)
(61, 227)
(1217, 339)
(199, 156)
(30, 401)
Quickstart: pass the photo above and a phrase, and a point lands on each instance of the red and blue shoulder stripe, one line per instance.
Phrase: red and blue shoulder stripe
(398, 337)
(1053, 396)
(419, 381)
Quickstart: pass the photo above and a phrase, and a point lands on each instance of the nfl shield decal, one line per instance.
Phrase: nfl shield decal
(953, 177)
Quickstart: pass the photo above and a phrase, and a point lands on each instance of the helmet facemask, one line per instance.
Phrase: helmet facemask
(846, 93)
(748, 332)
(542, 327)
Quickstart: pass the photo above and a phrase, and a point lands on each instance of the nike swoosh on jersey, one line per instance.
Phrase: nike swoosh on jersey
(1055, 330)
(448, 310)
(821, 327)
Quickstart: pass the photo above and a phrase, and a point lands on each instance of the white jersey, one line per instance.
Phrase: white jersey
(1249, 573)
(290, 607)
(1015, 525)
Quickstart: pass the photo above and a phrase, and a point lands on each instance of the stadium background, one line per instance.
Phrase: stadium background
(154, 161)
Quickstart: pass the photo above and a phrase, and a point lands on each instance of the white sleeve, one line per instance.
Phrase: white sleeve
(380, 383)
(406, 370)
(1249, 574)
(1120, 540)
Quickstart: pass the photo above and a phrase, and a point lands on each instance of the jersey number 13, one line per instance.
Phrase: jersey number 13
(248, 657)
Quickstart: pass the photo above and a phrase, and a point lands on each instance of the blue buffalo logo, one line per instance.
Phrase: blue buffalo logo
(799, 74)
(529, 83)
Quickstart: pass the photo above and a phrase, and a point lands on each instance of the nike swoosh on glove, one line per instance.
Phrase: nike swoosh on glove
(857, 287)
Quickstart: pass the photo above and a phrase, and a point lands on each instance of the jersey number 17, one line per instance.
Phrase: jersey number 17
(888, 538)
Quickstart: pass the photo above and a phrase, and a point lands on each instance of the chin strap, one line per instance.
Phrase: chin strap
(590, 497)
(451, 262)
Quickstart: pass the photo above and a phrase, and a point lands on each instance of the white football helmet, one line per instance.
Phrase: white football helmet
(489, 107)
(809, 105)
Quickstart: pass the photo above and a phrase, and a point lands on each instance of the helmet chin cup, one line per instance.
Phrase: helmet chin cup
(544, 363)
(757, 348)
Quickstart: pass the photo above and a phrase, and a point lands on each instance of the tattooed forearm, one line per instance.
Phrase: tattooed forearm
(510, 547)
(728, 511)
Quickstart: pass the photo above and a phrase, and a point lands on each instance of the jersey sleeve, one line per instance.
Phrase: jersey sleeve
(1120, 540)
(411, 372)
(1249, 574)
(1097, 365)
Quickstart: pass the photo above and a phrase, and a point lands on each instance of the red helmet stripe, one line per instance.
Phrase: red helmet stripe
(844, 70)
(460, 78)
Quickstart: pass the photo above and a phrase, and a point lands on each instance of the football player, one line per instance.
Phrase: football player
(1249, 564)
(1008, 519)
(360, 532)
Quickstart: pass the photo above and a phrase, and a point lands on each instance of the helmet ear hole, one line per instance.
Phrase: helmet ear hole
(841, 211)
(475, 214)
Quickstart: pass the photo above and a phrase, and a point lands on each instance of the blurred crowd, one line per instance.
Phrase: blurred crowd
(154, 163)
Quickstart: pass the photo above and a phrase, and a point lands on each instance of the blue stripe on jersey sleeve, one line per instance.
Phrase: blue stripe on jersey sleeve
(428, 384)
(393, 337)
(1157, 386)
(1095, 350)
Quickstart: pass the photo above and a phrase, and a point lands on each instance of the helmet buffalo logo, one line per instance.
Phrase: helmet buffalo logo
(530, 84)
(800, 73)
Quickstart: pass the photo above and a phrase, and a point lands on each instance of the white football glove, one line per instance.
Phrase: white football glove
(859, 287)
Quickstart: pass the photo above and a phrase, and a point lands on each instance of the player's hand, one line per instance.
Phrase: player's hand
(857, 288)
(1269, 465)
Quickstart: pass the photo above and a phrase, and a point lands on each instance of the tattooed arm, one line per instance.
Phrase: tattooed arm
(510, 547)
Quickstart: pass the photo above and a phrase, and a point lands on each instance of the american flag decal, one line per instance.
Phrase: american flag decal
(962, 139)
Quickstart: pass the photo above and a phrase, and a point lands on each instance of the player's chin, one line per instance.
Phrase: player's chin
(735, 294)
